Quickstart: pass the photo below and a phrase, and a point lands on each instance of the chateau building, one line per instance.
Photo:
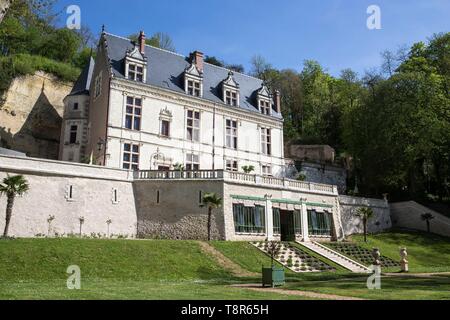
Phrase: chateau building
(139, 107)
(172, 128)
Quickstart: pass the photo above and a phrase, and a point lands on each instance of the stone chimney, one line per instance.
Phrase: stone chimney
(197, 58)
(277, 101)
(141, 41)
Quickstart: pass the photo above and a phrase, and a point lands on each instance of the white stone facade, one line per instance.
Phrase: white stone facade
(108, 130)
(162, 205)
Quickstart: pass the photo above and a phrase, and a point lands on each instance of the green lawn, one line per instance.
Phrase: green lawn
(396, 288)
(132, 269)
(426, 252)
(115, 269)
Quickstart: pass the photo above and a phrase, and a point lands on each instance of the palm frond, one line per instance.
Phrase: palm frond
(14, 185)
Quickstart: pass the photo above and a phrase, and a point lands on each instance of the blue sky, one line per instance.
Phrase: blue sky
(285, 32)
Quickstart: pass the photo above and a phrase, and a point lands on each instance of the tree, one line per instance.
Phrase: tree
(248, 169)
(214, 61)
(178, 167)
(12, 186)
(159, 40)
(365, 214)
(273, 249)
(427, 217)
(259, 66)
(211, 201)
(162, 40)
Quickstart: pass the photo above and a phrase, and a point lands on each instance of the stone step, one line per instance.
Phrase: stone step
(301, 261)
(336, 257)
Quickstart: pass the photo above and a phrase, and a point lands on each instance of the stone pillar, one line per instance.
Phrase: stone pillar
(305, 231)
(269, 218)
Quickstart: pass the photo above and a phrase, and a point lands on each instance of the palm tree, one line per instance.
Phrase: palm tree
(248, 169)
(427, 217)
(365, 214)
(11, 187)
(211, 201)
(178, 167)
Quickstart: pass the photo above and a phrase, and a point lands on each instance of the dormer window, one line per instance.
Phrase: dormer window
(230, 91)
(264, 106)
(264, 100)
(135, 65)
(135, 72)
(231, 98)
(193, 88)
(193, 81)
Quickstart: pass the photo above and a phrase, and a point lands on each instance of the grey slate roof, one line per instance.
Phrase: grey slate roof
(83, 82)
(166, 70)
(9, 152)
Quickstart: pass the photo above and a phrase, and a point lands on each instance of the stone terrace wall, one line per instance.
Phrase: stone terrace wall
(409, 215)
(177, 213)
(353, 224)
(93, 189)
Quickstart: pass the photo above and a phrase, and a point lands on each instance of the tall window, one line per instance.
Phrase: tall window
(131, 156)
(266, 170)
(192, 162)
(98, 85)
(298, 221)
(73, 134)
(232, 165)
(249, 219)
(264, 107)
(135, 72)
(193, 88)
(319, 223)
(193, 125)
(133, 113)
(266, 141)
(231, 98)
(276, 221)
(231, 134)
(165, 128)
(75, 106)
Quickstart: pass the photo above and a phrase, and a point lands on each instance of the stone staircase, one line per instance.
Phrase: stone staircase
(336, 257)
(296, 259)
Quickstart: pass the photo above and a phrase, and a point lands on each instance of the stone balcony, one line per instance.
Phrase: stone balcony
(240, 178)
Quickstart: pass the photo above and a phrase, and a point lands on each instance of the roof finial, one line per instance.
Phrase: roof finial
(103, 28)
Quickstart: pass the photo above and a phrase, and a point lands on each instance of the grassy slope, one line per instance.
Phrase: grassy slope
(121, 269)
(114, 269)
(426, 252)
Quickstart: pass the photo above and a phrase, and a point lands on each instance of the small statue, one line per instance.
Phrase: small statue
(376, 256)
(403, 261)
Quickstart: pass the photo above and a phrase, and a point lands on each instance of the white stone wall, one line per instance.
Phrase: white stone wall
(353, 225)
(175, 148)
(409, 215)
(177, 214)
(92, 199)
(274, 193)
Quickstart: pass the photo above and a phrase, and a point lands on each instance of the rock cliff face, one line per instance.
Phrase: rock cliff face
(31, 115)
(4, 4)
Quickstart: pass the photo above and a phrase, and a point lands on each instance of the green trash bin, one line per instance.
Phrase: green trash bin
(273, 276)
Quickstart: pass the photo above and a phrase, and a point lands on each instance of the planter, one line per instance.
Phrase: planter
(273, 276)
